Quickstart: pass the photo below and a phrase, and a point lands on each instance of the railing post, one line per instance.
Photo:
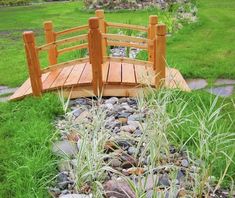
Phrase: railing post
(95, 53)
(50, 37)
(153, 20)
(160, 56)
(102, 27)
(33, 63)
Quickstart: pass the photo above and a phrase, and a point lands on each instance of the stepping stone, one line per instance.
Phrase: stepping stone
(196, 84)
(224, 82)
(224, 91)
(7, 90)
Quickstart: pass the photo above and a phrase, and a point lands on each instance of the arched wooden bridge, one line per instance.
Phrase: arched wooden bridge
(99, 74)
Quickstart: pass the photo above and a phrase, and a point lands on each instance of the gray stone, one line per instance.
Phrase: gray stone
(112, 100)
(136, 124)
(224, 91)
(224, 82)
(128, 128)
(149, 182)
(64, 148)
(138, 133)
(118, 189)
(131, 150)
(184, 163)
(123, 115)
(75, 196)
(82, 116)
(136, 117)
(195, 84)
(180, 175)
(77, 112)
(115, 163)
(164, 180)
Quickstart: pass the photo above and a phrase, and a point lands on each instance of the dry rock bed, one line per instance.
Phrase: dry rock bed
(113, 148)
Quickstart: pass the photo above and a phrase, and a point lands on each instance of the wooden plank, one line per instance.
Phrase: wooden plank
(22, 90)
(127, 26)
(105, 71)
(126, 44)
(115, 73)
(62, 77)
(144, 75)
(71, 30)
(75, 75)
(86, 77)
(128, 73)
(51, 78)
(44, 77)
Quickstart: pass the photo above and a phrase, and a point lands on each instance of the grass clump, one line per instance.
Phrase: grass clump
(27, 164)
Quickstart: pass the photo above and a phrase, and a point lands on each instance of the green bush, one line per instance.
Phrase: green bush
(14, 2)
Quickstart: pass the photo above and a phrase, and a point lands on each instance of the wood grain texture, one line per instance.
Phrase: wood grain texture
(62, 77)
(115, 73)
(128, 73)
(105, 71)
(75, 75)
(86, 77)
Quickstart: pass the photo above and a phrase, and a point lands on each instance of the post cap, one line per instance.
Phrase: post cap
(153, 19)
(161, 29)
(99, 14)
(48, 25)
(94, 23)
(28, 36)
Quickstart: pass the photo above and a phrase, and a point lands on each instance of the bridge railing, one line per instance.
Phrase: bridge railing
(96, 41)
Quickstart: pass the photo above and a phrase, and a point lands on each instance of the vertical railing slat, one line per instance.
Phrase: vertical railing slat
(50, 37)
(160, 61)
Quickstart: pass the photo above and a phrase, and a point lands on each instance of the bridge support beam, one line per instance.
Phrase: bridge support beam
(95, 54)
(160, 56)
(33, 63)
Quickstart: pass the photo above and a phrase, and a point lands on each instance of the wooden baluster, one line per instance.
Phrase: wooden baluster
(160, 56)
(95, 53)
(102, 27)
(50, 37)
(153, 20)
(33, 63)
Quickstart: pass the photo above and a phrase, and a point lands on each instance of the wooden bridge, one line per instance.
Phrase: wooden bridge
(99, 74)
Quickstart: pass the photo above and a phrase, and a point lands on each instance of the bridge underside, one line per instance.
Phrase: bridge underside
(120, 79)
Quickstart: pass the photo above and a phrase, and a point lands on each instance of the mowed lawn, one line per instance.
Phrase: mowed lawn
(205, 49)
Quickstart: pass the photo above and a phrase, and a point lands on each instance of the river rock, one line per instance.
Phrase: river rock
(184, 163)
(128, 128)
(75, 196)
(112, 100)
(118, 189)
(64, 148)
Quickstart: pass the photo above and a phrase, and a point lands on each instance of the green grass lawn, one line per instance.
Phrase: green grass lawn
(206, 49)
(26, 161)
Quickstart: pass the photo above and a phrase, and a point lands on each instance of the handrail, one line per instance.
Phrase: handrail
(127, 38)
(65, 64)
(127, 26)
(127, 44)
(71, 30)
(128, 60)
(62, 41)
(76, 47)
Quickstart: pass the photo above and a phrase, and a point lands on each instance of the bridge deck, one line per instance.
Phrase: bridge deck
(120, 79)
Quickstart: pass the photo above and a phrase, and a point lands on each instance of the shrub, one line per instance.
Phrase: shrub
(14, 2)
